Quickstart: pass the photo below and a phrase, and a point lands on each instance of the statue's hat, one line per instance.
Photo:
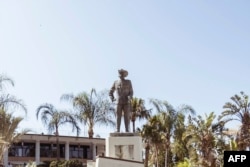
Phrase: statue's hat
(123, 72)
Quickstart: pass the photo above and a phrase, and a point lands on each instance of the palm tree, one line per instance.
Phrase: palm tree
(239, 109)
(92, 108)
(7, 100)
(138, 110)
(152, 140)
(179, 149)
(168, 118)
(8, 133)
(201, 140)
(205, 140)
(53, 119)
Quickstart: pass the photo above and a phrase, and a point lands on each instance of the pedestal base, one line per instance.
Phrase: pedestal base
(124, 146)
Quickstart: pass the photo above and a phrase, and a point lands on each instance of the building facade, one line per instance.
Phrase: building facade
(40, 148)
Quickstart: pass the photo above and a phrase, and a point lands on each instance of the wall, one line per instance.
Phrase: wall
(113, 162)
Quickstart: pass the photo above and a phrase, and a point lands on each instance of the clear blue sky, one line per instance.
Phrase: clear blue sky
(185, 52)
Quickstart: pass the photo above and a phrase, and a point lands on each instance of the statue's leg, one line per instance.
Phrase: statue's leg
(126, 116)
(118, 117)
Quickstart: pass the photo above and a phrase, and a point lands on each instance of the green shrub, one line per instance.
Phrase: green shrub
(69, 163)
(56, 163)
(44, 164)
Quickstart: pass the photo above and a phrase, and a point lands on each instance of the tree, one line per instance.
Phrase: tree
(239, 109)
(205, 140)
(7, 100)
(92, 108)
(8, 130)
(138, 110)
(179, 148)
(152, 140)
(168, 119)
(53, 119)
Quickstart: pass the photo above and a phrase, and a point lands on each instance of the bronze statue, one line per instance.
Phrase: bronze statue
(124, 92)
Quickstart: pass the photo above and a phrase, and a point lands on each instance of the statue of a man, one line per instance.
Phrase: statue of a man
(124, 92)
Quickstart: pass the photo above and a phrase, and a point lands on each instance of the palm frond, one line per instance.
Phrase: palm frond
(186, 109)
(7, 100)
(5, 80)
(67, 97)
(157, 104)
(8, 127)
(92, 108)
(48, 108)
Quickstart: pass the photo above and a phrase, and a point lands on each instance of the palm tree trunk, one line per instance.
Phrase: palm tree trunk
(90, 132)
(133, 125)
(156, 156)
(167, 150)
(3, 148)
(146, 154)
(166, 157)
(57, 145)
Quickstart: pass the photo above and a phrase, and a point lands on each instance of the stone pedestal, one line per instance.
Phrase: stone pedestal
(126, 146)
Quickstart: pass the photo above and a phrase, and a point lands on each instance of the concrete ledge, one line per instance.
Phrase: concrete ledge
(123, 134)
(116, 162)
(118, 159)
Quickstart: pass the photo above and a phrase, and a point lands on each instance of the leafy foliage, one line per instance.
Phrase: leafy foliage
(138, 110)
(91, 109)
(185, 163)
(239, 109)
(53, 119)
(8, 133)
(69, 163)
(205, 140)
(8, 122)
(161, 128)
(44, 164)
(6, 100)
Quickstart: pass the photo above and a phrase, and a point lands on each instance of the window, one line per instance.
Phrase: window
(22, 150)
(77, 151)
(50, 150)
(45, 150)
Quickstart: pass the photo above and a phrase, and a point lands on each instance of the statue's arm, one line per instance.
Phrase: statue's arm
(131, 92)
(111, 92)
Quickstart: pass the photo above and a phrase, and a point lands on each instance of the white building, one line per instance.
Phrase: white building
(40, 148)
